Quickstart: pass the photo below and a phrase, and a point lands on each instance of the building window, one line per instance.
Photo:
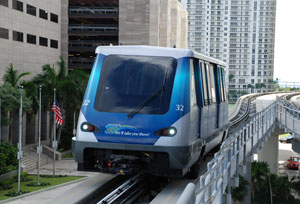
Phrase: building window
(18, 36)
(31, 10)
(54, 44)
(3, 33)
(31, 39)
(18, 5)
(54, 18)
(4, 3)
(43, 41)
(43, 14)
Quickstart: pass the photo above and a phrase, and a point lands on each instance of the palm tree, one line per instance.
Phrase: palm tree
(69, 87)
(11, 76)
(238, 193)
(12, 79)
(259, 171)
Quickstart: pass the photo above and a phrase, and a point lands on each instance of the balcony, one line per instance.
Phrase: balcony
(94, 30)
(86, 12)
(80, 63)
(88, 45)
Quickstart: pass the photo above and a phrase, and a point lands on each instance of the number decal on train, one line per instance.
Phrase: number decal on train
(86, 102)
(179, 107)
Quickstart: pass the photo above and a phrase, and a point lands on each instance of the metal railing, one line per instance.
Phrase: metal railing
(236, 151)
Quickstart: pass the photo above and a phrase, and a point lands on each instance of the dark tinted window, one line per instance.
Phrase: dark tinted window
(4, 3)
(43, 14)
(43, 41)
(204, 84)
(18, 36)
(221, 84)
(212, 84)
(128, 81)
(31, 39)
(31, 10)
(3, 33)
(18, 5)
(54, 43)
(54, 18)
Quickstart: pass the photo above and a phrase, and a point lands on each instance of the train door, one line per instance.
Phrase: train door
(213, 115)
(205, 100)
(194, 110)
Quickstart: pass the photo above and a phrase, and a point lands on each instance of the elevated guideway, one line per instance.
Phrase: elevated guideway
(237, 152)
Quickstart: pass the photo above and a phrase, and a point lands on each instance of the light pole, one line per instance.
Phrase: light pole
(39, 149)
(20, 153)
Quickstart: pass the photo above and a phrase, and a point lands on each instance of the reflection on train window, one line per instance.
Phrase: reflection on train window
(204, 84)
(126, 82)
(192, 84)
(212, 84)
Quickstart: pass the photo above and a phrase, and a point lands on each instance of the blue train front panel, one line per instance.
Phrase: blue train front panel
(136, 105)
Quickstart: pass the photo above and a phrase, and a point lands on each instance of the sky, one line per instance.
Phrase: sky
(287, 41)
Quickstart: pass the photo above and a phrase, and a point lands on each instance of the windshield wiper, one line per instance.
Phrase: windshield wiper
(150, 98)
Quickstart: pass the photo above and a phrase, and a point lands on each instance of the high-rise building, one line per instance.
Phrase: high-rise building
(238, 32)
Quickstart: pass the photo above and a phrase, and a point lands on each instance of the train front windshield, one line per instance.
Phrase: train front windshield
(127, 82)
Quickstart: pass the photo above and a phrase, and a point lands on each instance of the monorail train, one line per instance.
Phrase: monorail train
(151, 109)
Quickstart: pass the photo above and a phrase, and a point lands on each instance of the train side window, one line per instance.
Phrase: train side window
(208, 83)
(192, 85)
(212, 83)
(221, 83)
(198, 83)
(204, 84)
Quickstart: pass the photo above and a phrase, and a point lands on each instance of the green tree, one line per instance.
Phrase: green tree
(12, 76)
(69, 87)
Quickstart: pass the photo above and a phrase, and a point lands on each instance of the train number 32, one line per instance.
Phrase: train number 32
(179, 107)
(86, 102)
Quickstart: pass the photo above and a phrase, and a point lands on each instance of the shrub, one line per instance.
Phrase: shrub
(15, 193)
(6, 184)
(40, 184)
(8, 158)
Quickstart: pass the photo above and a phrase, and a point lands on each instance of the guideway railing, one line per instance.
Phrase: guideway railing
(238, 149)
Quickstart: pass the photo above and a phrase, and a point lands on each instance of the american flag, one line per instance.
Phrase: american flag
(58, 115)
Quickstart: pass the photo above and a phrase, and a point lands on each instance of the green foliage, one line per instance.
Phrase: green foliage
(8, 158)
(34, 184)
(12, 76)
(16, 193)
(24, 177)
(6, 184)
(238, 193)
(51, 176)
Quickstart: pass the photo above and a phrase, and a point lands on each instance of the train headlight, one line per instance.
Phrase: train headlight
(87, 127)
(171, 131)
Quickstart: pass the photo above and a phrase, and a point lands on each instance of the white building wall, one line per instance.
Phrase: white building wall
(239, 32)
(24, 56)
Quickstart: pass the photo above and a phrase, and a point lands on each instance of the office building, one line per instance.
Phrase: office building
(30, 34)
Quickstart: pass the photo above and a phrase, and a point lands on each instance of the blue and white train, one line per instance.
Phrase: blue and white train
(151, 109)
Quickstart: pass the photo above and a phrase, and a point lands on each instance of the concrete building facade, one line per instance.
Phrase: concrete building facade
(30, 34)
(239, 32)
(153, 22)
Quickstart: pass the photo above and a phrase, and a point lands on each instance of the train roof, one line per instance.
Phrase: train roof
(154, 51)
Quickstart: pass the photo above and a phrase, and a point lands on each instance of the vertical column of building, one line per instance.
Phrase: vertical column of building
(165, 23)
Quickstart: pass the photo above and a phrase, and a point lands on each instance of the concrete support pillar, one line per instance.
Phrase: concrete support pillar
(269, 153)
(247, 176)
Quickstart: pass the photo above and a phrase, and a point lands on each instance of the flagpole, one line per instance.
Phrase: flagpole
(0, 122)
(20, 138)
(54, 135)
(39, 149)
